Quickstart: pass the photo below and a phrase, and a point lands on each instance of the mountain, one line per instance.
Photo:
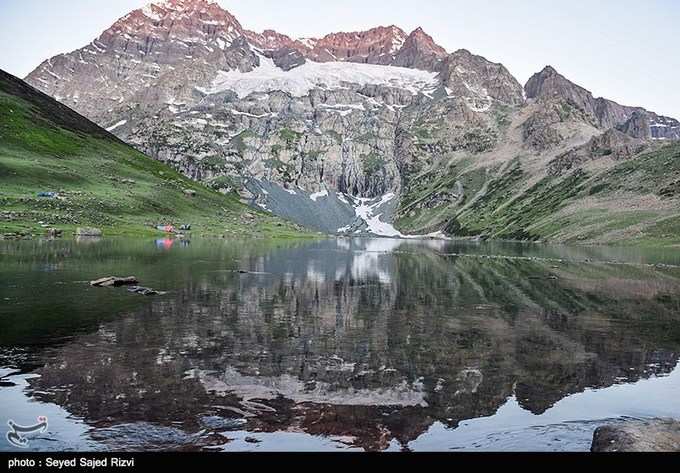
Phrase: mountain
(375, 132)
(549, 85)
(89, 178)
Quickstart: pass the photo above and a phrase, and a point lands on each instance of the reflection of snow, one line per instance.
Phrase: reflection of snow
(403, 393)
(373, 259)
(315, 275)
(361, 259)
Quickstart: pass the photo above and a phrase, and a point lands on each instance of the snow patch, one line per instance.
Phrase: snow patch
(366, 211)
(301, 80)
(117, 125)
(315, 197)
(343, 109)
(236, 112)
(369, 211)
(308, 42)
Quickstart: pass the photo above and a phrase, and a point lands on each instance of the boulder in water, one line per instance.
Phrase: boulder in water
(660, 435)
(113, 281)
(144, 291)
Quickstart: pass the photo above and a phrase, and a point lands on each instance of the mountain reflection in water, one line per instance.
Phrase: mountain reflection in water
(370, 344)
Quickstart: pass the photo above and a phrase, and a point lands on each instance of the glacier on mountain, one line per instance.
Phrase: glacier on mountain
(299, 81)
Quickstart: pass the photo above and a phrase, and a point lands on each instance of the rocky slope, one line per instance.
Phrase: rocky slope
(326, 131)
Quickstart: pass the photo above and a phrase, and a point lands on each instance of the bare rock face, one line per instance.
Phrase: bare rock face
(478, 80)
(159, 53)
(419, 51)
(550, 85)
(272, 40)
(383, 45)
(539, 131)
(650, 436)
(375, 46)
(612, 144)
(637, 126)
(664, 128)
(287, 58)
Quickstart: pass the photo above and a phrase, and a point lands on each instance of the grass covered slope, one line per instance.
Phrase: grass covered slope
(100, 181)
(634, 201)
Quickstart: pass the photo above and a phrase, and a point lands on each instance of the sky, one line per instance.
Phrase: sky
(624, 50)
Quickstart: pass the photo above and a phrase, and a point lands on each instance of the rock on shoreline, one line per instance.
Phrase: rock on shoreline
(88, 232)
(661, 435)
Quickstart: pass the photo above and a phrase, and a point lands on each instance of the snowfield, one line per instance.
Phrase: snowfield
(311, 75)
(370, 211)
(117, 125)
(365, 211)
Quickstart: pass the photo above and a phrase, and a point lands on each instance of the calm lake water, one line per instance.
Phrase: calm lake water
(335, 345)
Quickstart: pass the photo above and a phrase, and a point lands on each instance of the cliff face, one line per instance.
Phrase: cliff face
(358, 115)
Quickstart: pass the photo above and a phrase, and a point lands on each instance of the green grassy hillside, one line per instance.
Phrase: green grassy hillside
(636, 201)
(45, 147)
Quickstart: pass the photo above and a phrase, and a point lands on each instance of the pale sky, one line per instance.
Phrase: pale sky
(624, 50)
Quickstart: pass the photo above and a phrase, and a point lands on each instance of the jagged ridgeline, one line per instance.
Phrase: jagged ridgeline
(59, 169)
(377, 132)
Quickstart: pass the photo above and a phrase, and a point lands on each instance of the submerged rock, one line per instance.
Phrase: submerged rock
(143, 436)
(662, 435)
(145, 291)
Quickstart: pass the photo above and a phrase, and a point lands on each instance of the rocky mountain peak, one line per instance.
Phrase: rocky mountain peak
(175, 9)
(549, 84)
(179, 20)
(271, 40)
(179, 5)
(420, 51)
(382, 45)
(549, 71)
(479, 81)
(424, 42)
(374, 46)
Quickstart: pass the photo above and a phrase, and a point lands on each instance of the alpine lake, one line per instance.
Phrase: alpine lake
(335, 344)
